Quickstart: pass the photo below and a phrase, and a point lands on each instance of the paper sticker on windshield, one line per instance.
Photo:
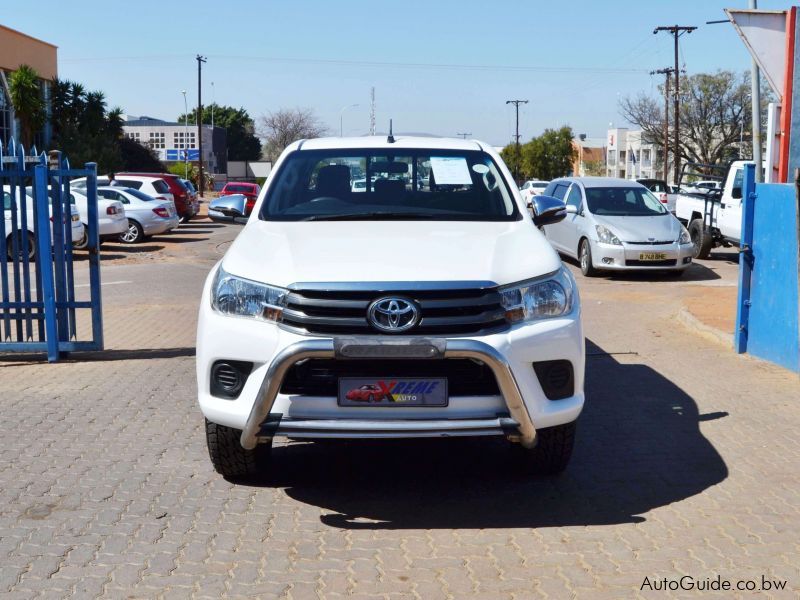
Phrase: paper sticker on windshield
(450, 170)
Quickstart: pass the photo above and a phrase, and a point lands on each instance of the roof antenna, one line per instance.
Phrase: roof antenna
(390, 139)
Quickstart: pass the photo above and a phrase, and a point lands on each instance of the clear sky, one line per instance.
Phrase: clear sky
(452, 63)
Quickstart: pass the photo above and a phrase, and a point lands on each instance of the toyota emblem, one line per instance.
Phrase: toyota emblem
(393, 315)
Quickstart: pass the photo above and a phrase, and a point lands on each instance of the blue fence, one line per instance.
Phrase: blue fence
(38, 306)
(768, 316)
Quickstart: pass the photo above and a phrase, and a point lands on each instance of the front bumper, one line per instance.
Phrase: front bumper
(383, 348)
(627, 257)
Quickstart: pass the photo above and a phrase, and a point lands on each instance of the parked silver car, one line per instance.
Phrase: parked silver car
(146, 215)
(617, 224)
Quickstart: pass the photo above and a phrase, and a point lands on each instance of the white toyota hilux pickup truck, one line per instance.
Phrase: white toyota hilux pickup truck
(713, 214)
(427, 304)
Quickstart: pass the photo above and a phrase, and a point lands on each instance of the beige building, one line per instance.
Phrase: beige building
(629, 157)
(17, 48)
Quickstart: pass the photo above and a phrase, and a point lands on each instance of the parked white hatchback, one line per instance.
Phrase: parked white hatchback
(617, 225)
(399, 311)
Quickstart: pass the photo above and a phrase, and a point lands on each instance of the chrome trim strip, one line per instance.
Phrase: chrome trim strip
(325, 348)
(289, 426)
(389, 286)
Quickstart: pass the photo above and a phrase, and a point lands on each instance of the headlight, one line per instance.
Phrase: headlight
(685, 238)
(604, 235)
(542, 299)
(232, 295)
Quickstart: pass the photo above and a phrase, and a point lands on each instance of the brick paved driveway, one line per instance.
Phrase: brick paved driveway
(686, 463)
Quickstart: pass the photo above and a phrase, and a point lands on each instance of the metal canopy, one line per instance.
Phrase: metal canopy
(764, 34)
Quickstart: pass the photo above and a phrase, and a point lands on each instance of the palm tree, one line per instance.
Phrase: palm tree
(26, 97)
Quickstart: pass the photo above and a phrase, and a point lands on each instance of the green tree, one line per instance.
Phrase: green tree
(29, 106)
(136, 157)
(512, 156)
(242, 142)
(550, 155)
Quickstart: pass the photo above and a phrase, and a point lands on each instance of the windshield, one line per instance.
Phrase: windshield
(138, 194)
(239, 188)
(623, 202)
(405, 185)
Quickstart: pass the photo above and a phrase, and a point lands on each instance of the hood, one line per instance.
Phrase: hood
(659, 228)
(282, 253)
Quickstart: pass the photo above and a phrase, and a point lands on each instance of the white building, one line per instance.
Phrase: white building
(629, 157)
(170, 140)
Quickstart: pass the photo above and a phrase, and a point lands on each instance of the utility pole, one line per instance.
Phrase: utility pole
(755, 108)
(676, 31)
(200, 61)
(666, 73)
(185, 137)
(516, 104)
(372, 112)
(464, 136)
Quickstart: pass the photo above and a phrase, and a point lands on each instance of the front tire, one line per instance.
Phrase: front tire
(133, 235)
(229, 458)
(701, 240)
(552, 452)
(585, 257)
(31, 247)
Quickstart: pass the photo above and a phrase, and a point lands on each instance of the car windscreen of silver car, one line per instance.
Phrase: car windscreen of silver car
(623, 202)
(410, 184)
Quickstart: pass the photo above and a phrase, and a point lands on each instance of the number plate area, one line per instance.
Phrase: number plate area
(392, 391)
(652, 256)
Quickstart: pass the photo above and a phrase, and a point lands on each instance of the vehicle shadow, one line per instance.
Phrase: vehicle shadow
(638, 447)
(201, 223)
(129, 248)
(176, 239)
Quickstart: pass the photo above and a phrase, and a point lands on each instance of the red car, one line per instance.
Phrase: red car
(250, 190)
(184, 204)
(366, 393)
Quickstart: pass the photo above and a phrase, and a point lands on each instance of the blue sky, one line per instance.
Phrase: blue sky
(572, 59)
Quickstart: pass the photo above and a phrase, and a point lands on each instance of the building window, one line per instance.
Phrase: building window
(181, 140)
(622, 156)
(612, 157)
(134, 135)
(157, 139)
(5, 118)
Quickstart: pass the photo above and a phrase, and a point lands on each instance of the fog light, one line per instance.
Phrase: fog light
(556, 378)
(228, 377)
(608, 261)
(687, 260)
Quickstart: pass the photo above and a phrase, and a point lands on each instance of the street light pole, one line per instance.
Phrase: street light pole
(200, 61)
(185, 136)
(341, 117)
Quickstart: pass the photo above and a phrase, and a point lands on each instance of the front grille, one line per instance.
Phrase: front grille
(662, 243)
(651, 263)
(442, 312)
(320, 377)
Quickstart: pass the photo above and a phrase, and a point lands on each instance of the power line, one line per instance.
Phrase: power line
(362, 63)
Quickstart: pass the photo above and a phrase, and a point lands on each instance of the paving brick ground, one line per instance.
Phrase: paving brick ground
(686, 464)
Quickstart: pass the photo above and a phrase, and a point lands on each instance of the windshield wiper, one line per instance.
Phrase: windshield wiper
(372, 216)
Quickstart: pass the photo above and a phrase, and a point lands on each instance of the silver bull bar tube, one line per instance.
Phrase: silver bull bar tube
(387, 348)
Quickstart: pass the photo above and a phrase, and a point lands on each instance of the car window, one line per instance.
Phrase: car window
(623, 202)
(108, 194)
(525, 185)
(160, 186)
(738, 179)
(138, 194)
(458, 185)
(6, 201)
(129, 183)
(560, 191)
(574, 196)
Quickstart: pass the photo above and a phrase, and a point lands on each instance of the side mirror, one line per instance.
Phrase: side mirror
(228, 209)
(572, 209)
(547, 210)
(736, 193)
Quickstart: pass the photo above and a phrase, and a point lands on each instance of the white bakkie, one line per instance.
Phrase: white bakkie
(427, 304)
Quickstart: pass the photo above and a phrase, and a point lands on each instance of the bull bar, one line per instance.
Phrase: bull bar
(393, 348)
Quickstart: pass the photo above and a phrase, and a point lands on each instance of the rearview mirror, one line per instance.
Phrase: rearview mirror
(736, 193)
(228, 209)
(547, 210)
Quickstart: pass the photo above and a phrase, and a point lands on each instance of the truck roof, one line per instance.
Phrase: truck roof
(400, 141)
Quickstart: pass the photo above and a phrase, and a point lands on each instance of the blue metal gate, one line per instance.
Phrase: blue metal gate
(38, 306)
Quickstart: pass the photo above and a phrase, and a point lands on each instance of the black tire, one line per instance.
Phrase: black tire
(31, 247)
(701, 240)
(134, 235)
(552, 452)
(585, 258)
(229, 458)
(371, 398)
(186, 218)
(84, 242)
